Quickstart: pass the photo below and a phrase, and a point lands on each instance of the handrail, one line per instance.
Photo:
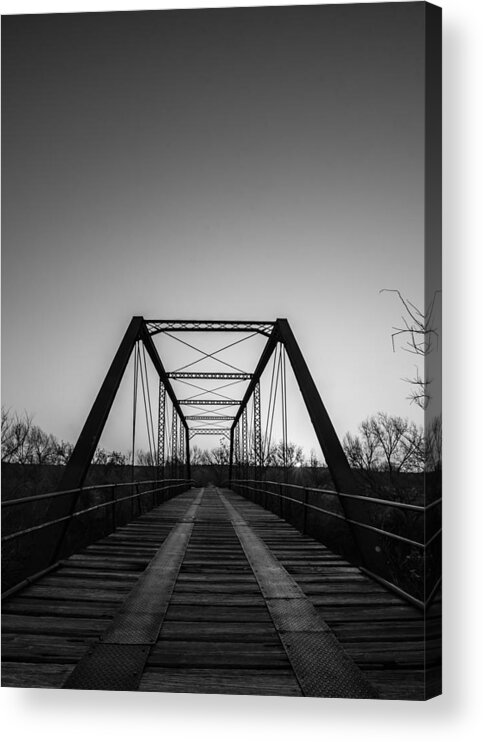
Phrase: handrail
(334, 493)
(243, 483)
(109, 503)
(163, 485)
(47, 495)
(368, 527)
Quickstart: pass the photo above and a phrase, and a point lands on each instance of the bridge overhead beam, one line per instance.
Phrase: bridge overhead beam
(208, 375)
(223, 432)
(154, 326)
(213, 418)
(212, 402)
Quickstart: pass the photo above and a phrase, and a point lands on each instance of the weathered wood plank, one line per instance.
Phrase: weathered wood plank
(192, 654)
(34, 675)
(221, 681)
(43, 648)
(58, 626)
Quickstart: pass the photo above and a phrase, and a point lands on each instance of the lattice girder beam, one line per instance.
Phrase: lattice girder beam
(161, 424)
(155, 326)
(216, 375)
(206, 418)
(211, 402)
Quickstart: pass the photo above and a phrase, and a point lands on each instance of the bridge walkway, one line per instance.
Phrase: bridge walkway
(210, 593)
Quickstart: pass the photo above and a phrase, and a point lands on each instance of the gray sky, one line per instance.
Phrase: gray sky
(228, 164)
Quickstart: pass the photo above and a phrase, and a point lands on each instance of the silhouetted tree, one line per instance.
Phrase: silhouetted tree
(389, 444)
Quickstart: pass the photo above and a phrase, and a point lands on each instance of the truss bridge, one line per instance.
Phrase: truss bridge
(227, 576)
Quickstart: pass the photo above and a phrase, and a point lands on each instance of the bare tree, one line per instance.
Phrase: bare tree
(145, 458)
(434, 445)
(287, 456)
(25, 443)
(419, 336)
(218, 456)
(15, 435)
(388, 444)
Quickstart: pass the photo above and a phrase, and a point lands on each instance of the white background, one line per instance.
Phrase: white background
(80, 715)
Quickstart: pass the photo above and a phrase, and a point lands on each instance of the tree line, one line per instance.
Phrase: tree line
(383, 443)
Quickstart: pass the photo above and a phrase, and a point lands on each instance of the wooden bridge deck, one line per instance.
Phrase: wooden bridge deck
(219, 629)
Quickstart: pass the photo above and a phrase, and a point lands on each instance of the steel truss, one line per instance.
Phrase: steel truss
(276, 332)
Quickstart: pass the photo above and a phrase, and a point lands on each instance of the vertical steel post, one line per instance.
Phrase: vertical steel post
(244, 435)
(187, 445)
(161, 426)
(174, 445)
(230, 468)
(181, 447)
(257, 427)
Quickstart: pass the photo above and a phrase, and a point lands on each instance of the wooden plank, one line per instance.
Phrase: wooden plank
(43, 648)
(234, 631)
(58, 626)
(74, 609)
(192, 654)
(221, 681)
(224, 613)
(30, 675)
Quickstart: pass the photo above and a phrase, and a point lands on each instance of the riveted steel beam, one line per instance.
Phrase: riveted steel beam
(192, 325)
(161, 424)
(219, 376)
(219, 402)
(213, 418)
(223, 432)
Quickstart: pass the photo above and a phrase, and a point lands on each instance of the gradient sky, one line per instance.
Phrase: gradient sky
(232, 164)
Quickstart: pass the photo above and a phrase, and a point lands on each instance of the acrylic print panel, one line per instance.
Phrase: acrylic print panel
(221, 245)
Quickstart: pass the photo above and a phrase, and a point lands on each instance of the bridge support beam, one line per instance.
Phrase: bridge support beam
(161, 426)
(367, 549)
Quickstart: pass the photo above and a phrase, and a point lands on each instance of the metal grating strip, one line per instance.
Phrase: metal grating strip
(117, 661)
(320, 664)
(109, 667)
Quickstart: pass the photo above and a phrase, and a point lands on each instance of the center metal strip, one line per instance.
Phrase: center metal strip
(117, 661)
(320, 664)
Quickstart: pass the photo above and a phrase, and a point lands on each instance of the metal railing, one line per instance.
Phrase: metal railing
(162, 491)
(262, 493)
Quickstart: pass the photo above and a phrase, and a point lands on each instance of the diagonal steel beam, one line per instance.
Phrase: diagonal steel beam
(261, 365)
(366, 549)
(79, 462)
(329, 442)
(154, 355)
(81, 457)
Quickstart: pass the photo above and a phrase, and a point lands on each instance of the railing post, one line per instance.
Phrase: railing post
(281, 499)
(304, 513)
(136, 499)
(113, 509)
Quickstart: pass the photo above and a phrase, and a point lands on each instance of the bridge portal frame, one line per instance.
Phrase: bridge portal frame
(276, 332)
